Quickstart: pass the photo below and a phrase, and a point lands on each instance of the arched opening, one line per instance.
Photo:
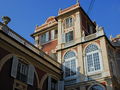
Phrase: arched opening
(97, 87)
(70, 66)
(19, 73)
(93, 59)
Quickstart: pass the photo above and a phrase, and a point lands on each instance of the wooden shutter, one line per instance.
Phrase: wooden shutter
(14, 67)
(30, 78)
(63, 38)
(49, 83)
(60, 85)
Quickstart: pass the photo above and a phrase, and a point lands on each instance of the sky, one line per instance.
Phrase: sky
(26, 14)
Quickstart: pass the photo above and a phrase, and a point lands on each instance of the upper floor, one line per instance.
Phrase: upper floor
(70, 27)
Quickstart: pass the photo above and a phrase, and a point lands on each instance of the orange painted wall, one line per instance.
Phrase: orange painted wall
(49, 46)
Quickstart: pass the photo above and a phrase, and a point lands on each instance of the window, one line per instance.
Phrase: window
(93, 59)
(54, 84)
(22, 71)
(97, 87)
(69, 36)
(44, 37)
(68, 22)
(54, 34)
(70, 64)
(48, 36)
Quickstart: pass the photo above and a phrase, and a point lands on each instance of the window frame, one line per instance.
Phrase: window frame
(100, 61)
(22, 70)
(68, 38)
(70, 59)
(68, 22)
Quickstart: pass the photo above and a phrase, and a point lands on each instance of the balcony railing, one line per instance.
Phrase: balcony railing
(99, 33)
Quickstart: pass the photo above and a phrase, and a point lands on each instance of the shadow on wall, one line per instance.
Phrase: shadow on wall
(76, 81)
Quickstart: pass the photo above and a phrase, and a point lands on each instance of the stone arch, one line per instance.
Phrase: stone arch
(7, 57)
(44, 78)
(96, 84)
(91, 43)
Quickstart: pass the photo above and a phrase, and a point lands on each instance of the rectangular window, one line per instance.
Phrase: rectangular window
(48, 36)
(56, 33)
(69, 36)
(44, 38)
(54, 84)
(68, 22)
(93, 62)
(22, 71)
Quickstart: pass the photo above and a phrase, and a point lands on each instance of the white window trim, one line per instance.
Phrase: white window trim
(86, 65)
(65, 23)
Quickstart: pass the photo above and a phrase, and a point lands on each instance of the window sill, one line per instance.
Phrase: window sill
(94, 73)
(70, 43)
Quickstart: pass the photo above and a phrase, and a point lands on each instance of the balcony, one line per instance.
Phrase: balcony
(100, 32)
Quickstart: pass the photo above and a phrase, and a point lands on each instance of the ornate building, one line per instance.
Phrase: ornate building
(90, 61)
(71, 52)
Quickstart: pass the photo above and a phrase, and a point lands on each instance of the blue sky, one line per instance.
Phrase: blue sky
(26, 14)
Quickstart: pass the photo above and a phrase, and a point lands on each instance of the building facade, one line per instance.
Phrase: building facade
(90, 61)
(25, 67)
(71, 52)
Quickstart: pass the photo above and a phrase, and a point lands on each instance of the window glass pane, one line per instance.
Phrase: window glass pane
(70, 64)
(73, 67)
(69, 36)
(90, 63)
(91, 48)
(69, 22)
(43, 38)
(69, 54)
(22, 71)
(96, 61)
(67, 68)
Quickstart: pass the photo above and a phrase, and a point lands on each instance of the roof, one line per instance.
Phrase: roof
(48, 23)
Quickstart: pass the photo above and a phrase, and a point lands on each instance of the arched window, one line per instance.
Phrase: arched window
(93, 58)
(70, 64)
(97, 87)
